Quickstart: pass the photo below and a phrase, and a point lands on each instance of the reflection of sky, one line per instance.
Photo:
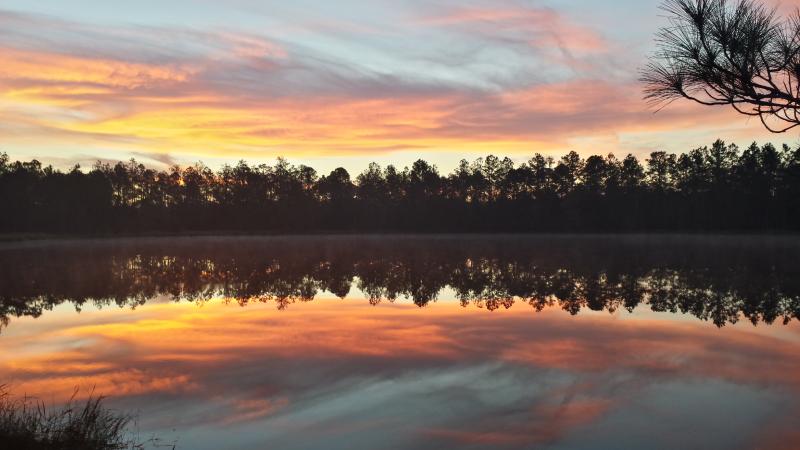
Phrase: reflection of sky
(345, 82)
(343, 374)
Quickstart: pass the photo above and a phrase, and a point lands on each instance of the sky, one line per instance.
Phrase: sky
(339, 83)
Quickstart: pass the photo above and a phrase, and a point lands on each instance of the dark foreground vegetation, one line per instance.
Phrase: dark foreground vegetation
(26, 424)
(722, 280)
(717, 188)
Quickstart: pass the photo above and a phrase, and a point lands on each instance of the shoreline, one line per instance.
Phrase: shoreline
(15, 238)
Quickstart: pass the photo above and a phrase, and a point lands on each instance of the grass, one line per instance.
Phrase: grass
(28, 424)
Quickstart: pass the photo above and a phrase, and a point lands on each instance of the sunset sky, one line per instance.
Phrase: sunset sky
(329, 83)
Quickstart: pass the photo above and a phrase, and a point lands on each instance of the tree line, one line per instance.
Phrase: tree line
(716, 188)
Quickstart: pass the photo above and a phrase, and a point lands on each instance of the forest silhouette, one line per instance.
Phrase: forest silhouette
(716, 188)
(721, 280)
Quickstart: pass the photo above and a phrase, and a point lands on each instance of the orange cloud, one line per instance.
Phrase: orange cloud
(240, 101)
(544, 118)
(63, 69)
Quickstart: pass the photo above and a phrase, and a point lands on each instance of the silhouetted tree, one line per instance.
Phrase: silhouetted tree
(661, 171)
(567, 173)
(631, 173)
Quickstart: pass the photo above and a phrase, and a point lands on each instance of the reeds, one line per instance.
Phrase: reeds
(28, 424)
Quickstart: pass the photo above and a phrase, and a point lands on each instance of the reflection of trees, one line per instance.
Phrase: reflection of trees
(721, 282)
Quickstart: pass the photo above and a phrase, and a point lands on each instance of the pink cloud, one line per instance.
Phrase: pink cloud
(541, 28)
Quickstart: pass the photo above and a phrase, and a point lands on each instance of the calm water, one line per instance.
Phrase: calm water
(419, 343)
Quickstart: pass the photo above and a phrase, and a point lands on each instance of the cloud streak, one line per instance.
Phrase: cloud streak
(501, 77)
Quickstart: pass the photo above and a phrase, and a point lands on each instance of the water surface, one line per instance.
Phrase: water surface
(417, 342)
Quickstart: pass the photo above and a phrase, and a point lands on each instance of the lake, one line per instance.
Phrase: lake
(548, 342)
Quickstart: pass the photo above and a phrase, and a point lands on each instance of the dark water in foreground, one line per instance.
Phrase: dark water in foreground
(387, 342)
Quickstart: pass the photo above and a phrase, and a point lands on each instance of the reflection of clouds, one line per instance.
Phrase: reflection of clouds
(331, 371)
(248, 410)
(660, 348)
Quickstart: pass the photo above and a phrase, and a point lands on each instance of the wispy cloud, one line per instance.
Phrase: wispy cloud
(504, 77)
